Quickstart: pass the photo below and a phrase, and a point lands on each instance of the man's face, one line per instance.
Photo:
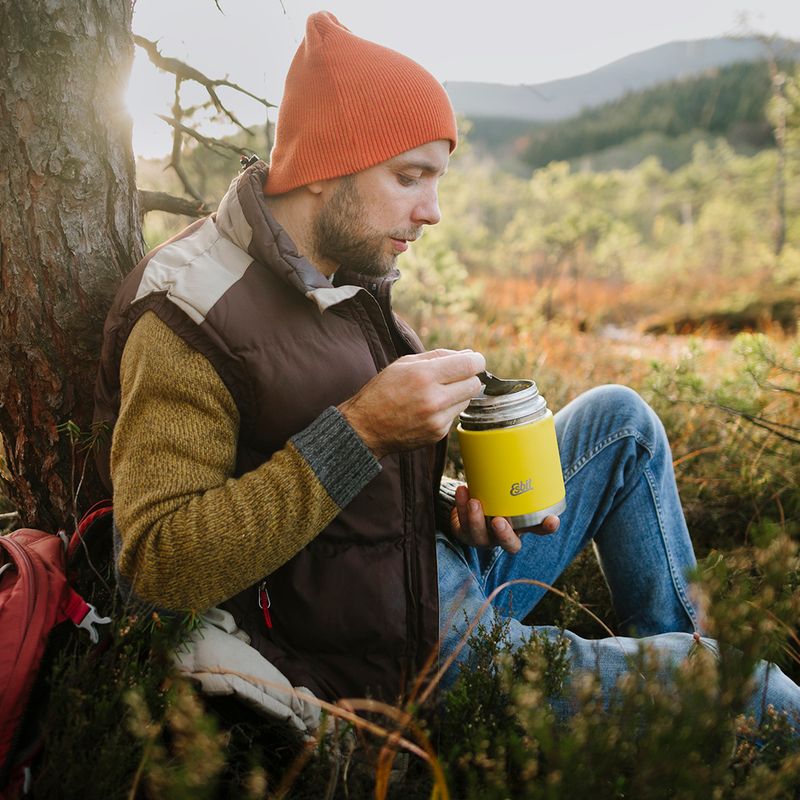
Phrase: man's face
(368, 219)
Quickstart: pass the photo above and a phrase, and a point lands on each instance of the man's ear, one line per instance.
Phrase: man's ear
(321, 188)
(317, 187)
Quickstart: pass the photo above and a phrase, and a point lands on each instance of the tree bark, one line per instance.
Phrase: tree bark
(69, 231)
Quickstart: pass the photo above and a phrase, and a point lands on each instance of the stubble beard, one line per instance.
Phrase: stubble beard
(342, 235)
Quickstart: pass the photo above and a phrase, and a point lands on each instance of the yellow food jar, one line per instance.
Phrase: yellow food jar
(510, 454)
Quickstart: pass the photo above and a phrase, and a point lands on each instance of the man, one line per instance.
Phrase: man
(279, 434)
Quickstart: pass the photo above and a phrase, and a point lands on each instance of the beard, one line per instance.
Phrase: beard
(341, 234)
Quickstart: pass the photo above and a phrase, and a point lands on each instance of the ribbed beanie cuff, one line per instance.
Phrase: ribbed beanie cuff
(349, 104)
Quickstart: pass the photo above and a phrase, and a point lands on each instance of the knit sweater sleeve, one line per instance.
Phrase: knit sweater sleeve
(191, 535)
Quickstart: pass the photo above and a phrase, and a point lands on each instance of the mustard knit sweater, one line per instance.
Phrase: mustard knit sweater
(191, 535)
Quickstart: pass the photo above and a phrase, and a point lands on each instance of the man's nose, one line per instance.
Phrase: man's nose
(426, 212)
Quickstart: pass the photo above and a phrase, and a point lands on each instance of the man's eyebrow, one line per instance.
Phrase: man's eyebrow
(427, 167)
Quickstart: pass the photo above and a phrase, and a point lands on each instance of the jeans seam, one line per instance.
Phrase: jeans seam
(622, 433)
(445, 539)
(456, 549)
(677, 584)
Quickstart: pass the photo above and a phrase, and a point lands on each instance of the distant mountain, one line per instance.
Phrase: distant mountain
(561, 99)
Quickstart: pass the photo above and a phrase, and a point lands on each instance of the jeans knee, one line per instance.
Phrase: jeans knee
(630, 410)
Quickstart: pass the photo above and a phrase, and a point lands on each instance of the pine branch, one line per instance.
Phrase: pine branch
(770, 425)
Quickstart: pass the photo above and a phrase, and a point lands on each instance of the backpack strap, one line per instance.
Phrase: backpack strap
(100, 511)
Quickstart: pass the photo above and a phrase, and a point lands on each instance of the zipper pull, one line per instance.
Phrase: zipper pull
(264, 603)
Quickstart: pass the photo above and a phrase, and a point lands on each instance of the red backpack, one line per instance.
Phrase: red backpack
(35, 596)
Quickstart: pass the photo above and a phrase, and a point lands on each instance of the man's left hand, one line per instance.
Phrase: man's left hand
(468, 525)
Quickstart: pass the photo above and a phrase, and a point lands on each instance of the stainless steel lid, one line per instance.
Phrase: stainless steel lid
(505, 410)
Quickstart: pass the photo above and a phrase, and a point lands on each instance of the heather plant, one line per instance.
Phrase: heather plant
(517, 724)
(90, 750)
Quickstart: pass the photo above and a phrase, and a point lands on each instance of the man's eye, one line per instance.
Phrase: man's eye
(406, 180)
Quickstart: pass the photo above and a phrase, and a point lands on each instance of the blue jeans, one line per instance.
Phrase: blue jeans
(621, 495)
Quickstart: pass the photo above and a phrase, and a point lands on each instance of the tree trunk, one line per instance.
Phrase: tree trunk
(69, 231)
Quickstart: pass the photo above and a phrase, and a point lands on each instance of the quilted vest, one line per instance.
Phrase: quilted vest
(355, 611)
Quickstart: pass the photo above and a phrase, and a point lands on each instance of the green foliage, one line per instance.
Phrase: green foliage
(119, 722)
(746, 413)
(434, 288)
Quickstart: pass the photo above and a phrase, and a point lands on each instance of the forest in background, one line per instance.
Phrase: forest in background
(729, 101)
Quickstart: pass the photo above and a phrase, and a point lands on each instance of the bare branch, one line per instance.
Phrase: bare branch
(187, 184)
(161, 201)
(183, 71)
(242, 90)
(210, 142)
(177, 146)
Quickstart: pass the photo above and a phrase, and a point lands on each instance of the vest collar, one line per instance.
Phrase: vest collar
(244, 218)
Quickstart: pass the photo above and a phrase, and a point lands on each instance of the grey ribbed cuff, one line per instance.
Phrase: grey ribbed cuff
(341, 461)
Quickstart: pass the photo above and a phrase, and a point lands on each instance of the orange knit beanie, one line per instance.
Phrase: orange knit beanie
(349, 104)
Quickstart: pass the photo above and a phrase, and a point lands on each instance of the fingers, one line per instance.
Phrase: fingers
(547, 526)
(470, 519)
(457, 367)
(429, 354)
(472, 524)
(456, 396)
(550, 524)
(437, 389)
(449, 366)
(505, 535)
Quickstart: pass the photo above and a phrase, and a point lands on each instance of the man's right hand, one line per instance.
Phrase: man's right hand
(414, 400)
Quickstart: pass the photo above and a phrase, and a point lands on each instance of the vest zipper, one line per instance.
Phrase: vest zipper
(264, 603)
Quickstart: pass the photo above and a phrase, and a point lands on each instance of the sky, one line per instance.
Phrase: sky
(497, 41)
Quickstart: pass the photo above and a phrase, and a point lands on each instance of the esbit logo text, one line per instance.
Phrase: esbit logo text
(520, 487)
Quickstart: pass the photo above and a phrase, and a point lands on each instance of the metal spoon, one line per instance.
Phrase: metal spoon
(499, 386)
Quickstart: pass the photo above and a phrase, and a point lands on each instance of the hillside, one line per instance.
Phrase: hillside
(561, 99)
(730, 102)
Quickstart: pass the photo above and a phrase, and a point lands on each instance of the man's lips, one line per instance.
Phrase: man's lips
(401, 245)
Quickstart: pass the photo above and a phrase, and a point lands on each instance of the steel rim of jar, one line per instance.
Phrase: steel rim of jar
(504, 411)
(521, 522)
